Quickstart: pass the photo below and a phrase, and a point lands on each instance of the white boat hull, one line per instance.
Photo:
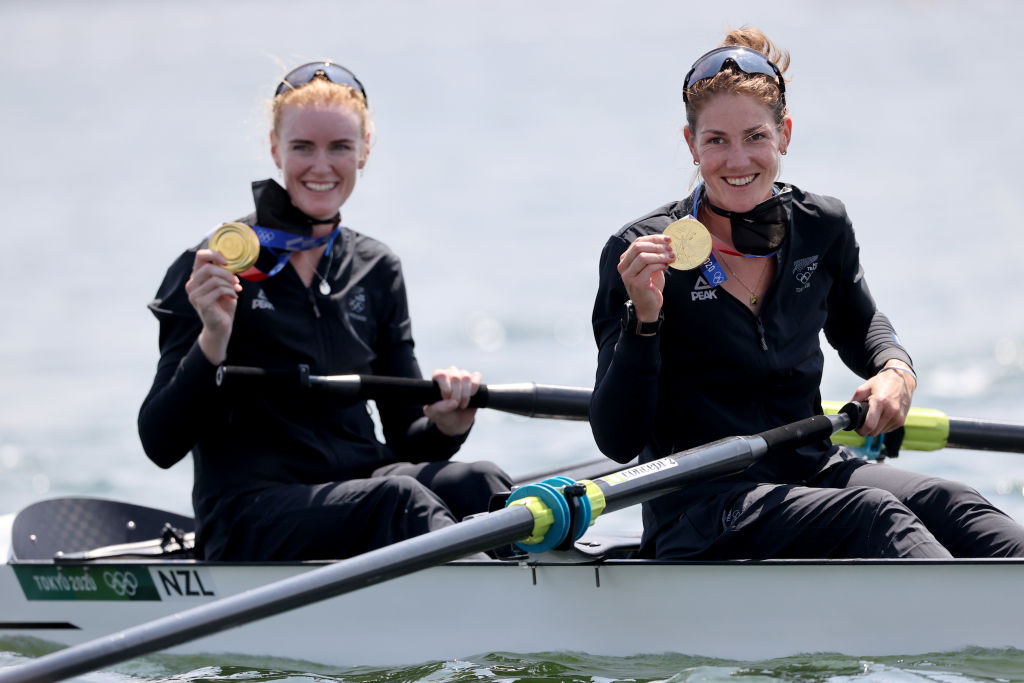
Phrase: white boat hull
(736, 610)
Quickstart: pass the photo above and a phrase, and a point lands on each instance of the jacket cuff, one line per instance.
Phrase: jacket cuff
(196, 370)
(642, 354)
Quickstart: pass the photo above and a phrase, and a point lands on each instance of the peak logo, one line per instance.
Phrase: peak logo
(702, 291)
(261, 301)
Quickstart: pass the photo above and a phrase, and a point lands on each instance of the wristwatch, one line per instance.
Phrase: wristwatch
(642, 329)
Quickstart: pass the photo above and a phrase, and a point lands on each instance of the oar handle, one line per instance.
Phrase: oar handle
(927, 429)
(815, 428)
(526, 398)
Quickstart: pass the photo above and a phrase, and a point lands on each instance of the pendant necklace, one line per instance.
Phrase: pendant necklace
(753, 295)
(325, 287)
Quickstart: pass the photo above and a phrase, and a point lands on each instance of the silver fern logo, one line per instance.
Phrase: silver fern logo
(803, 270)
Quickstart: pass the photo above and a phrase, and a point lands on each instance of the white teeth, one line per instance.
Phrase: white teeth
(745, 180)
(320, 187)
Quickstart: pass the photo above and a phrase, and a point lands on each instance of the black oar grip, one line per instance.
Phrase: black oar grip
(532, 400)
(816, 428)
(244, 377)
(406, 390)
(353, 387)
(856, 411)
(799, 433)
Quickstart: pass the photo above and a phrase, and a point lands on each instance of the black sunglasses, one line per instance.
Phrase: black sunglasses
(335, 73)
(746, 60)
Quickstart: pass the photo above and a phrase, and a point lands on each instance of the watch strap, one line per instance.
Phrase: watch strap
(638, 327)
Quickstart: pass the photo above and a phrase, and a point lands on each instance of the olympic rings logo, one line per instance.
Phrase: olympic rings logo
(122, 583)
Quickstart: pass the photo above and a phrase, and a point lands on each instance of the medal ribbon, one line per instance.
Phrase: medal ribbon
(282, 244)
(712, 269)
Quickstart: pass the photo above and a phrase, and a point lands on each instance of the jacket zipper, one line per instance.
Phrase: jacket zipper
(312, 301)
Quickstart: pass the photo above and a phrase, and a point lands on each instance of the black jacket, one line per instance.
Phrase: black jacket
(716, 369)
(244, 442)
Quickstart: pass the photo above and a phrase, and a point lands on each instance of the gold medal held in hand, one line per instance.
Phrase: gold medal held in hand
(238, 243)
(691, 243)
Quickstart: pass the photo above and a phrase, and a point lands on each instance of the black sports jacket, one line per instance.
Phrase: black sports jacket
(716, 369)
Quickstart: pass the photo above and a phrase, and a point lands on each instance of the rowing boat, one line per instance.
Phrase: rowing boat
(114, 581)
(587, 599)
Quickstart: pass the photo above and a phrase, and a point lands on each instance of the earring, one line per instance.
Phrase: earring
(783, 152)
(696, 163)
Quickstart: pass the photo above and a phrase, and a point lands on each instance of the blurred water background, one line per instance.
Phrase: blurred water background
(512, 139)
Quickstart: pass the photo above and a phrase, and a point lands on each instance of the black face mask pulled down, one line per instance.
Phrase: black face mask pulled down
(763, 229)
(274, 209)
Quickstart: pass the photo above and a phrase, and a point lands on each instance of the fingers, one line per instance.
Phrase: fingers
(888, 397)
(642, 268)
(457, 385)
(452, 413)
(213, 292)
(645, 256)
(210, 280)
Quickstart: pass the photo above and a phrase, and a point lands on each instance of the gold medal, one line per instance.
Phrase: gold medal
(238, 244)
(691, 243)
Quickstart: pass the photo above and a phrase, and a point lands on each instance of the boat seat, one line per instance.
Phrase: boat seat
(69, 527)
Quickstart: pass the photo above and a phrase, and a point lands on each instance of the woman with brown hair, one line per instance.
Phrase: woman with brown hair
(707, 322)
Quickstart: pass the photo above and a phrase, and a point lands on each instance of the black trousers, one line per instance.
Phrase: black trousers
(341, 519)
(854, 508)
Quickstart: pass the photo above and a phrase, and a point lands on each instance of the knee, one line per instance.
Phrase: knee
(404, 488)
(485, 473)
(878, 509)
(944, 497)
(882, 502)
(896, 531)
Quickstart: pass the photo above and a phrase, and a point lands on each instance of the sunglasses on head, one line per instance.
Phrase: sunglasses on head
(330, 71)
(746, 60)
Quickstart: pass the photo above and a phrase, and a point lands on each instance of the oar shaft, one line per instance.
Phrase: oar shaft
(451, 543)
(650, 480)
(525, 398)
(721, 458)
(985, 435)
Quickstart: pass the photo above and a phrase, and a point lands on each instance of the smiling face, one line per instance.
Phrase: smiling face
(319, 149)
(737, 144)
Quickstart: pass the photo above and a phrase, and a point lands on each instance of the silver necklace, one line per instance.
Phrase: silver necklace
(325, 287)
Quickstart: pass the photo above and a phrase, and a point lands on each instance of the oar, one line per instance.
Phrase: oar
(926, 429)
(525, 398)
(530, 520)
(931, 430)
